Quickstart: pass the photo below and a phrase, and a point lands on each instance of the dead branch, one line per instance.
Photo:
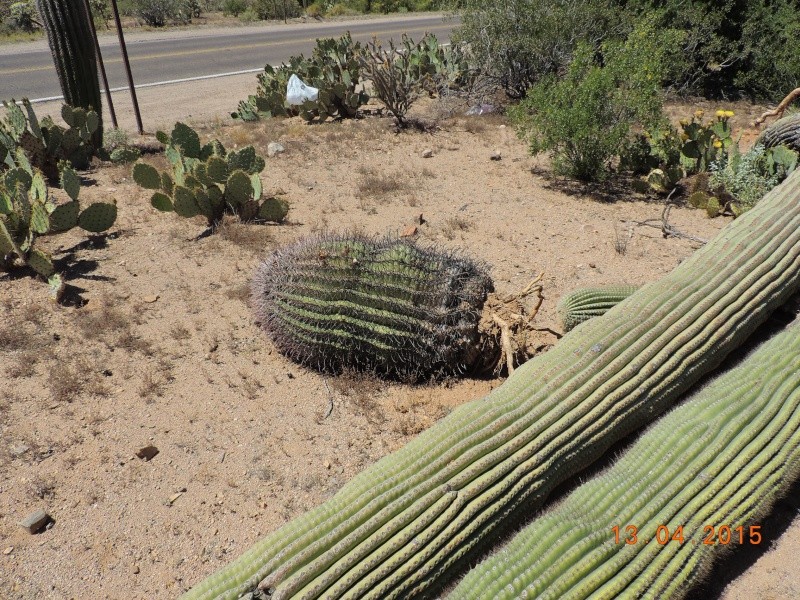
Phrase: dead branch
(778, 111)
(668, 230)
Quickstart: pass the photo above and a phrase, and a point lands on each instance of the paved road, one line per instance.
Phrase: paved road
(26, 70)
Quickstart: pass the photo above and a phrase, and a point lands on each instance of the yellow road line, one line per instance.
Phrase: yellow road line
(211, 50)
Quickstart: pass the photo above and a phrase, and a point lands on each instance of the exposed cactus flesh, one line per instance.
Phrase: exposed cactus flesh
(384, 305)
(398, 528)
(585, 303)
(692, 486)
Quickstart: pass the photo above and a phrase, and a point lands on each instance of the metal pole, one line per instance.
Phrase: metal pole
(127, 64)
(88, 10)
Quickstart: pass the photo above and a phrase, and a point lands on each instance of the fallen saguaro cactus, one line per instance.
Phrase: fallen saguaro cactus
(399, 527)
(693, 485)
(584, 303)
(785, 131)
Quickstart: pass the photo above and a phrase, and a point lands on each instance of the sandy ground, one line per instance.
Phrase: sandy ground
(156, 345)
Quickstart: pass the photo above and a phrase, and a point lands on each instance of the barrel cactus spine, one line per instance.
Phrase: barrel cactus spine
(713, 465)
(72, 45)
(399, 527)
(583, 304)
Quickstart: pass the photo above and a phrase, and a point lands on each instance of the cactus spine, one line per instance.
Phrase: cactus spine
(398, 527)
(785, 131)
(720, 460)
(585, 303)
(334, 302)
(71, 43)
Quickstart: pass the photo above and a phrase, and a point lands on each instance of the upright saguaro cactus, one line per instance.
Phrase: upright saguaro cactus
(70, 36)
(398, 528)
(692, 486)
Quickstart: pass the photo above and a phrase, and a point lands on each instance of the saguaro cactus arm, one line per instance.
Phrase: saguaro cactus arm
(396, 528)
(693, 484)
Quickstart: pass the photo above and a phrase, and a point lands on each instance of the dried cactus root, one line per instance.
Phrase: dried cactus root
(398, 527)
(708, 471)
(386, 306)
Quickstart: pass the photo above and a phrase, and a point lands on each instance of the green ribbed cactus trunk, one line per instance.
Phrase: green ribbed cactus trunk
(397, 528)
(70, 36)
(695, 484)
(585, 303)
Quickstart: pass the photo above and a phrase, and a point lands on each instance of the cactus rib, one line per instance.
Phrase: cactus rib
(585, 303)
(785, 131)
(397, 528)
(70, 37)
(719, 460)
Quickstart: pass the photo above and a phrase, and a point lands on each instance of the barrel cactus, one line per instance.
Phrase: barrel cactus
(335, 302)
(401, 526)
(585, 303)
(694, 485)
(785, 131)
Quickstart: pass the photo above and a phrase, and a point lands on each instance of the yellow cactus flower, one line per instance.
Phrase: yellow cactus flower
(729, 113)
(699, 113)
(720, 113)
(717, 144)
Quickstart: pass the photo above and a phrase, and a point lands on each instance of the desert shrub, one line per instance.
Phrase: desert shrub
(23, 16)
(770, 66)
(158, 13)
(234, 7)
(275, 9)
(518, 42)
(747, 177)
(585, 118)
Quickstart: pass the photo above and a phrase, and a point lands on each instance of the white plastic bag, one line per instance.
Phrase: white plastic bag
(298, 92)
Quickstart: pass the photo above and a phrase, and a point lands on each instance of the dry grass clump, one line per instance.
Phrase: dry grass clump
(375, 184)
(70, 378)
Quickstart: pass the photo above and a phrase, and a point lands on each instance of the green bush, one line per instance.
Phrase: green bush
(22, 16)
(234, 7)
(748, 177)
(585, 118)
(518, 42)
(158, 13)
(275, 9)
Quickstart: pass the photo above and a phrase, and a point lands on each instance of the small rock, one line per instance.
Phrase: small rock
(327, 464)
(421, 220)
(175, 496)
(409, 231)
(151, 298)
(147, 453)
(35, 521)
(427, 153)
(274, 148)
(135, 570)
(19, 450)
(8, 550)
(495, 155)
(592, 266)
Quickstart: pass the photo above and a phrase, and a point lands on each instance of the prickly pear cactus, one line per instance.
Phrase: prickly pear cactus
(28, 212)
(45, 143)
(334, 68)
(209, 181)
(585, 303)
(382, 305)
(785, 131)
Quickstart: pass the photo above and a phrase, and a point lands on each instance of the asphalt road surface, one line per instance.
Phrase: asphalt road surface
(26, 69)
